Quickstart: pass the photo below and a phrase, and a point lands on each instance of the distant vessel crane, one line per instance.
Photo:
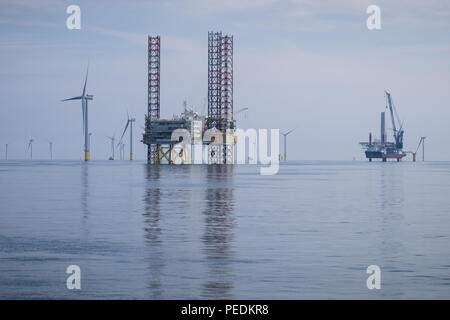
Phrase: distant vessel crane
(382, 148)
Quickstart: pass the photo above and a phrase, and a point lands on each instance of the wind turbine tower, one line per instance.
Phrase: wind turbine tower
(423, 148)
(284, 137)
(84, 107)
(122, 150)
(50, 145)
(113, 138)
(30, 147)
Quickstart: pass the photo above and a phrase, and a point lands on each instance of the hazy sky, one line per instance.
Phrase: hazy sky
(308, 64)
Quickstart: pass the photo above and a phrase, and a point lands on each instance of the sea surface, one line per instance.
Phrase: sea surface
(224, 232)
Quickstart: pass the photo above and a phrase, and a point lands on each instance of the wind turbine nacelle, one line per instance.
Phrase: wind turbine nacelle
(89, 97)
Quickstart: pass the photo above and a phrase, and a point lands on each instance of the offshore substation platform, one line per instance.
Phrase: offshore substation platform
(215, 132)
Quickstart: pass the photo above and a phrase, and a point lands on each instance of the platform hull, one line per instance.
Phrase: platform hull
(381, 155)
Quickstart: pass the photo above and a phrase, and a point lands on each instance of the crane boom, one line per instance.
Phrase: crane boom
(398, 134)
(388, 95)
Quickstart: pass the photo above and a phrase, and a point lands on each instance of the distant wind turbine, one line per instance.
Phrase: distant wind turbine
(84, 107)
(30, 147)
(122, 150)
(50, 145)
(284, 136)
(129, 122)
(113, 138)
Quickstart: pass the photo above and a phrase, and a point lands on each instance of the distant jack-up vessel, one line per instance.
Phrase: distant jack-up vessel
(383, 149)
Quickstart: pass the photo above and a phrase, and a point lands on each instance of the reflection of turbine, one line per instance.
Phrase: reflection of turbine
(284, 136)
(84, 196)
(30, 147)
(113, 138)
(129, 122)
(84, 108)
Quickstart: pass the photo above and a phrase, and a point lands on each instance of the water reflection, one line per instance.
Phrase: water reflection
(152, 214)
(171, 213)
(84, 197)
(392, 248)
(218, 232)
(152, 209)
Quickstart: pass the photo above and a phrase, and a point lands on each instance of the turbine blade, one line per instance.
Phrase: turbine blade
(74, 98)
(126, 127)
(290, 131)
(85, 80)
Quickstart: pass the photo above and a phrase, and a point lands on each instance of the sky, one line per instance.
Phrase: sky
(304, 64)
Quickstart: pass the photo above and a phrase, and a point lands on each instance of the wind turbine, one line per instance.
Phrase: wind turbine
(113, 138)
(423, 148)
(50, 145)
(284, 136)
(129, 122)
(84, 107)
(6, 153)
(121, 150)
(30, 147)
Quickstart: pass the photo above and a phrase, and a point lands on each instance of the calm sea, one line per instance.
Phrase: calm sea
(177, 232)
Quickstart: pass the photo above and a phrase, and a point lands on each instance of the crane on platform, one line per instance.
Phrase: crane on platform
(398, 134)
